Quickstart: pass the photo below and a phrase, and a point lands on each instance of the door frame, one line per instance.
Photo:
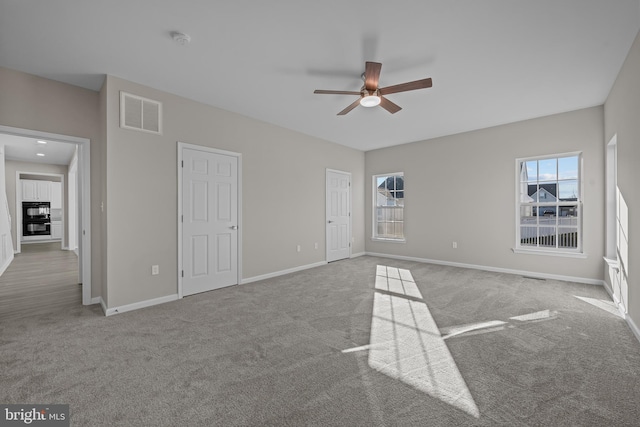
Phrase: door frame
(326, 208)
(180, 147)
(19, 201)
(84, 198)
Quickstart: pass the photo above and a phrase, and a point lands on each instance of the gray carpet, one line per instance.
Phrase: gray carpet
(342, 344)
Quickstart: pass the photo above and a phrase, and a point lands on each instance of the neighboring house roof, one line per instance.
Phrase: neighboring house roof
(392, 184)
(543, 196)
(550, 188)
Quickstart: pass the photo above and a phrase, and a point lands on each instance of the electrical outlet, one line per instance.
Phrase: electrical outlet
(298, 248)
(155, 270)
(454, 245)
(316, 245)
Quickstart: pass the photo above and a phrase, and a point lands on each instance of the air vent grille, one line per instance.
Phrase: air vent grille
(140, 113)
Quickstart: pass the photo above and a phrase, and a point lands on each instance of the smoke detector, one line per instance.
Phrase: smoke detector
(181, 38)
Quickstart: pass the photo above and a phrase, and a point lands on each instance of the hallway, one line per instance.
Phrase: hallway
(41, 279)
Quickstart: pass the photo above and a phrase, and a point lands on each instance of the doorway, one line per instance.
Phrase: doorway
(83, 219)
(209, 194)
(54, 187)
(338, 215)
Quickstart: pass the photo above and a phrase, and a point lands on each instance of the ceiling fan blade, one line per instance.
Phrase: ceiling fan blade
(389, 106)
(403, 87)
(336, 92)
(350, 107)
(372, 75)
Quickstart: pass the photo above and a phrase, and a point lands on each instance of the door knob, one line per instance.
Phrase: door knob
(329, 221)
(234, 227)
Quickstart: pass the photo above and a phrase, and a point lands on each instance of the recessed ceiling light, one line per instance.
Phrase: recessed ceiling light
(40, 154)
(41, 142)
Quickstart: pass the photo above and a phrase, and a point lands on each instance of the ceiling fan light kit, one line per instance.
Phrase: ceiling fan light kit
(371, 95)
(370, 100)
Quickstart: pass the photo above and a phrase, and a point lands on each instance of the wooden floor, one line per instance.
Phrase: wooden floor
(41, 279)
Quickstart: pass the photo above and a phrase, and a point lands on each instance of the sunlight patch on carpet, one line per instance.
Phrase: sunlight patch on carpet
(602, 304)
(490, 326)
(538, 315)
(407, 345)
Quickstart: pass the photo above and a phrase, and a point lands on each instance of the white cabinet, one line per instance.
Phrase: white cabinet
(36, 191)
(44, 190)
(56, 195)
(56, 230)
(29, 190)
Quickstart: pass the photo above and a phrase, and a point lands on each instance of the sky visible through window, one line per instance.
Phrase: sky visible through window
(563, 170)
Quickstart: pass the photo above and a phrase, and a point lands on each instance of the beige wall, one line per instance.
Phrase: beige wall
(283, 183)
(622, 119)
(462, 188)
(448, 178)
(34, 103)
(11, 167)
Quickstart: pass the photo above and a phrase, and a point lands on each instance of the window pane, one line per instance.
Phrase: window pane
(568, 190)
(568, 167)
(547, 170)
(526, 215)
(549, 203)
(567, 237)
(528, 236)
(547, 214)
(568, 215)
(547, 237)
(398, 214)
(389, 210)
(398, 230)
(532, 171)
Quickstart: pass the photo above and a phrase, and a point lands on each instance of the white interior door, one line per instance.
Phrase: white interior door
(210, 221)
(338, 215)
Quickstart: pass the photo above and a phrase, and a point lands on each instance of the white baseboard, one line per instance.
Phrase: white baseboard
(495, 269)
(282, 272)
(6, 264)
(634, 328)
(138, 305)
(99, 300)
(358, 254)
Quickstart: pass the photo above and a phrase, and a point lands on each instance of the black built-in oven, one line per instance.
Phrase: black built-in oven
(35, 219)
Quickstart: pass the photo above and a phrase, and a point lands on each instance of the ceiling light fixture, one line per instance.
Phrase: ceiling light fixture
(40, 154)
(370, 100)
(181, 38)
(41, 141)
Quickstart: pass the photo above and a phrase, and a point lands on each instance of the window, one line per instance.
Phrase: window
(549, 204)
(388, 210)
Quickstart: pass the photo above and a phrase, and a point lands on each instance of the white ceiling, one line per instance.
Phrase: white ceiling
(492, 61)
(27, 149)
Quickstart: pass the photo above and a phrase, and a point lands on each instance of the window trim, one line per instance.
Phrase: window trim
(562, 252)
(374, 205)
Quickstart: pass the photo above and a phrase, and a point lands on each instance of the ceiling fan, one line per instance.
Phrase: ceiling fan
(371, 95)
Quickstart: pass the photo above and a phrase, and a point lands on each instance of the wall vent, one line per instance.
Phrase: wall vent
(138, 113)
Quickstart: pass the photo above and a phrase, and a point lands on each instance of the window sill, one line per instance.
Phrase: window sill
(379, 239)
(549, 253)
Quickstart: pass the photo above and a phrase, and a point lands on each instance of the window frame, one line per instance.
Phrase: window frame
(577, 252)
(374, 216)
